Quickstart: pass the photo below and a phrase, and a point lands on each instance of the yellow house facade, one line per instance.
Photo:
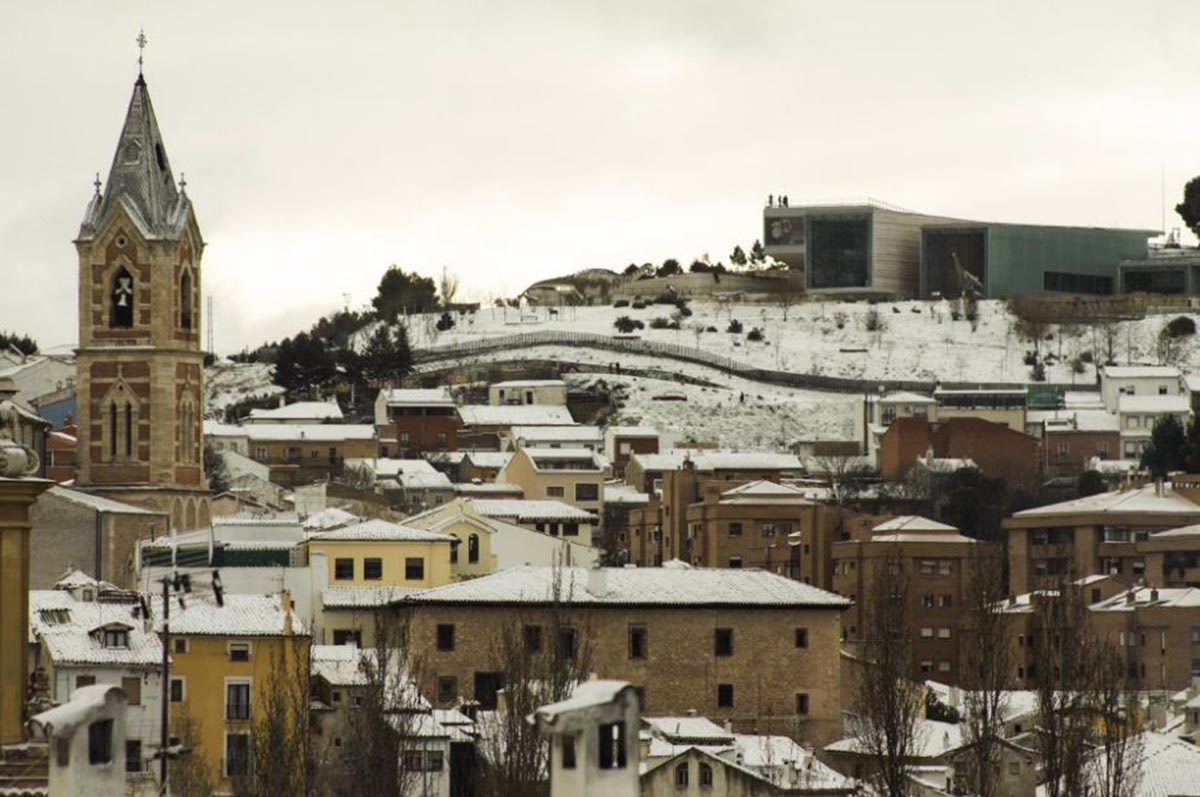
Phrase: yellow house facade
(222, 658)
(574, 476)
(377, 553)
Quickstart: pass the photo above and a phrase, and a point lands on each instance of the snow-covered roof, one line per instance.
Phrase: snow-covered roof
(946, 464)
(1082, 399)
(1183, 532)
(931, 739)
(328, 518)
(242, 615)
(706, 460)
(70, 630)
(489, 459)
(418, 397)
(74, 578)
(1162, 766)
(1140, 372)
(363, 597)
(310, 432)
(904, 397)
(530, 383)
(379, 531)
(1164, 597)
(1192, 382)
(1177, 403)
(912, 523)
(425, 481)
(618, 492)
(385, 468)
(351, 666)
(1142, 500)
(300, 411)
(632, 431)
(528, 510)
(546, 456)
(489, 488)
(98, 502)
(515, 415)
(636, 586)
(577, 433)
(688, 729)
(1075, 420)
(588, 694)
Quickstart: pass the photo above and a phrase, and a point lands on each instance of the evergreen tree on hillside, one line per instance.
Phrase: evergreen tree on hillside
(1189, 208)
(1167, 450)
(22, 343)
(403, 292)
(737, 257)
(757, 254)
(386, 357)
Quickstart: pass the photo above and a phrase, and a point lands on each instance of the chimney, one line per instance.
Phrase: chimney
(597, 583)
(1012, 599)
(1130, 597)
(1153, 594)
(282, 400)
(285, 603)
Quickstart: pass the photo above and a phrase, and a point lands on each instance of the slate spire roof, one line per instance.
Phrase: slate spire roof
(140, 177)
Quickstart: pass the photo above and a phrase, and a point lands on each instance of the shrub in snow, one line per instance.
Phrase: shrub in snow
(666, 297)
(638, 305)
(710, 329)
(840, 318)
(663, 323)
(1078, 366)
(626, 324)
(735, 326)
(445, 322)
(873, 321)
(755, 335)
(1180, 327)
(621, 303)
(1039, 373)
(1087, 357)
(1030, 358)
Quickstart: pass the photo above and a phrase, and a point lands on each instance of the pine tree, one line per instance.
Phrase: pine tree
(737, 257)
(757, 255)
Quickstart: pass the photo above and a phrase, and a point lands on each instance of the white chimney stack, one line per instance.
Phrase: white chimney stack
(597, 583)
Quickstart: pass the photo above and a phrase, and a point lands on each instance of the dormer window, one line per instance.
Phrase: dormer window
(116, 638)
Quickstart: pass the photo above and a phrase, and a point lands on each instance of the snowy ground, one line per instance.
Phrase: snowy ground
(227, 383)
(920, 339)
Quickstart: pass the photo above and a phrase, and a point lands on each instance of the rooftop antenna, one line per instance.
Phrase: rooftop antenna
(141, 43)
(1162, 182)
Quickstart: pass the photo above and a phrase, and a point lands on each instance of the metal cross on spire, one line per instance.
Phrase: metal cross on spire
(141, 43)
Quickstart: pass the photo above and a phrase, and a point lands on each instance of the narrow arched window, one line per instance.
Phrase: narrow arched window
(706, 778)
(112, 431)
(129, 429)
(121, 299)
(185, 300)
(681, 775)
(473, 549)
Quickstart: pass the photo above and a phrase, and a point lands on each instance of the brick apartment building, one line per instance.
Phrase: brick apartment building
(936, 560)
(743, 646)
(996, 449)
(622, 442)
(413, 421)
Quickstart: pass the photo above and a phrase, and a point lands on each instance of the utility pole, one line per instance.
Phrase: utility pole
(164, 736)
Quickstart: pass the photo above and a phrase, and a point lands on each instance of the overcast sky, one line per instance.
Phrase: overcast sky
(517, 141)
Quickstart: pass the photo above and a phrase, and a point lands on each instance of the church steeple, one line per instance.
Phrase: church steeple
(140, 176)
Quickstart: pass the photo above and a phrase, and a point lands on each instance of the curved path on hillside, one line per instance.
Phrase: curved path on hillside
(689, 354)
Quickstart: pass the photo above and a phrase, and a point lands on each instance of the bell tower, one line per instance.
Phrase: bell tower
(139, 366)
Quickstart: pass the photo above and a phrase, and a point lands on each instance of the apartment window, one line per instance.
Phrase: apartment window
(944, 601)
(100, 742)
(1063, 454)
(735, 529)
(445, 636)
(260, 452)
(567, 642)
(768, 529)
(801, 705)
(568, 751)
(347, 636)
(405, 438)
(237, 755)
(179, 645)
(440, 439)
(571, 529)
(176, 690)
(373, 569)
(237, 700)
(943, 666)
(706, 776)
(473, 549)
(414, 568)
(447, 689)
(926, 601)
(801, 637)
(612, 745)
(343, 569)
(1196, 636)
(943, 633)
(724, 695)
(1195, 667)
(944, 566)
(723, 641)
(557, 491)
(239, 651)
(735, 562)
(133, 755)
(533, 639)
(587, 492)
(116, 638)
(927, 566)
(133, 690)
(637, 641)
(927, 665)
(84, 680)
(681, 776)
(926, 632)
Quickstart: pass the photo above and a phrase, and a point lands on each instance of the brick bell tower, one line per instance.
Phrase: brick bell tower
(139, 366)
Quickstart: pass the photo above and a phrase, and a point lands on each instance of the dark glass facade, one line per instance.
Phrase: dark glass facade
(940, 251)
(1156, 280)
(838, 253)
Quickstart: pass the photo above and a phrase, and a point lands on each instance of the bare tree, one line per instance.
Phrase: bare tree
(987, 667)
(1115, 771)
(189, 774)
(786, 299)
(540, 664)
(848, 475)
(283, 755)
(448, 286)
(887, 702)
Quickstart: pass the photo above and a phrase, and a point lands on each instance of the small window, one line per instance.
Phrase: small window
(116, 638)
(414, 568)
(801, 637)
(943, 666)
(681, 775)
(735, 562)
(557, 491)
(567, 639)
(473, 549)
(133, 690)
(179, 645)
(533, 638)
(637, 641)
(724, 695)
(723, 641)
(445, 636)
(587, 492)
(943, 633)
(343, 569)
(239, 651)
(133, 755)
(735, 529)
(447, 689)
(177, 690)
(802, 705)
(706, 776)
(237, 700)
(612, 745)
(347, 636)
(372, 569)
(237, 755)
(84, 680)
(568, 751)
(100, 742)
(926, 632)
